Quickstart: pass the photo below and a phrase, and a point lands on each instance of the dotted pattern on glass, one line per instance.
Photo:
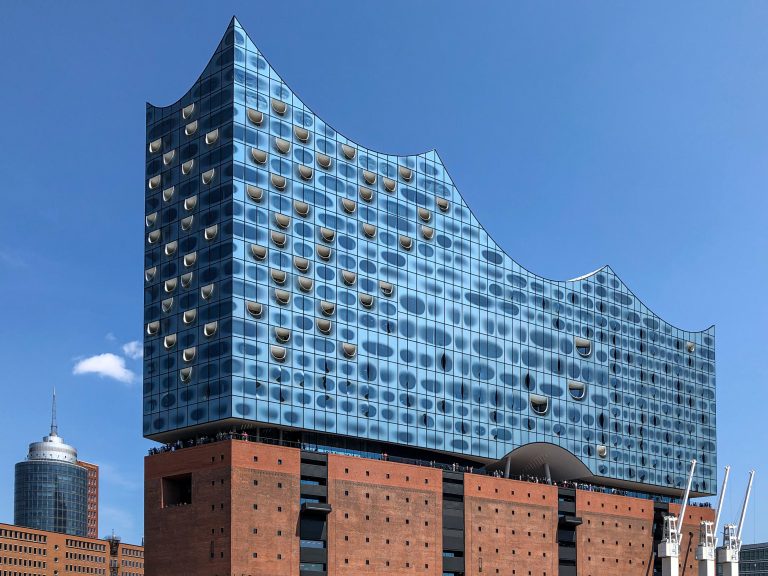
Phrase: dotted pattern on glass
(328, 287)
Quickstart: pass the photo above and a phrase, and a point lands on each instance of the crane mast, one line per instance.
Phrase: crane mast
(728, 555)
(705, 552)
(669, 547)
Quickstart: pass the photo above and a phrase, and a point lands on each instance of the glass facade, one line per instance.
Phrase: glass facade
(296, 279)
(753, 560)
(52, 496)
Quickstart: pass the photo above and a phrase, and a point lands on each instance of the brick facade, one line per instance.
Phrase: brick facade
(510, 525)
(386, 518)
(28, 552)
(616, 532)
(93, 498)
(243, 515)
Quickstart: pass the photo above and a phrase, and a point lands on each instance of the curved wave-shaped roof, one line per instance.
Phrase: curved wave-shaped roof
(444, 184)
(512, 336)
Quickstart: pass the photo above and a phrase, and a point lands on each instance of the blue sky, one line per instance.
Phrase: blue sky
(627, 133)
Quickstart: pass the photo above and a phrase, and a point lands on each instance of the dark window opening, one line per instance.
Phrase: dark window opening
(177, 490)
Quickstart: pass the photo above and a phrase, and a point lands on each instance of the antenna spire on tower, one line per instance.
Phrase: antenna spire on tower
(54, 425)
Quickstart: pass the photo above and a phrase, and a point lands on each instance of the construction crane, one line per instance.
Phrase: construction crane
(705, 553)
(728, 555)
(669, 547)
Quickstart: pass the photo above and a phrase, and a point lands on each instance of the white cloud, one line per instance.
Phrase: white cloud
(133, 350)
(110, 337)
(105, 365)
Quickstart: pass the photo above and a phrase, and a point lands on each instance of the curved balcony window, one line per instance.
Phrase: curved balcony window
(186, 223)
(369, 230)
(602, 451)
(187, 111)
(153, 328)
(254, 308)
(211, 232)
(170, 248)
(190, 128)
(210, 329)
(323, 160)
(327, 234)
(278, 276)
(207, 291)
(305, 284)
(278, 353)
(150, 220)
(167, 305)
(583, 346)
(301, 264)
(190, 203)
(279, 106)
(168, 193)
(366, 194)
(190, 259)
(327, 308)
(690, 347)
(349, 277)
(189, 316)
(169, 341)
(350, 350)
(305, 172)
(302, 134)
(259, 156)
(282, 296)
(168, 157)
(155, 145)
(369, 177)
(324, 326)
(282, 146)
(425, 214)
(577, 390)
(387, 288)
(255, 116)
(282, 334)
(366, 300)
(154, 236)
(443, 204)
(208, 175)
(212, 137)
(254, 193)
(279, 238)
(427, 232)
(185, 374)
(186, 280)
(539, 404)
(189, 354)
(170, 285)
(348, 151)
(405, 173)
(187, 166)
(258, 252)
(279, 182)
(155, 182)
(324, 252)
(282, 220)
(301, 208)
(389, 184)
(406, 242)
(349, 205)
(149, 273)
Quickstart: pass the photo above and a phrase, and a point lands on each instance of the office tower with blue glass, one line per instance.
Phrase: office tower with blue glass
(51, 490)
(308, 291)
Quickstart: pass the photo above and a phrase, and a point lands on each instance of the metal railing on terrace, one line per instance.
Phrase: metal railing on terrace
(383, 456)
